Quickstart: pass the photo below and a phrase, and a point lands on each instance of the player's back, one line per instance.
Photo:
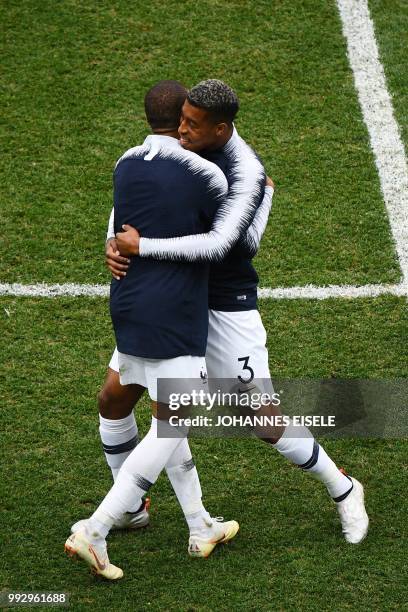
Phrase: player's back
(159, 309)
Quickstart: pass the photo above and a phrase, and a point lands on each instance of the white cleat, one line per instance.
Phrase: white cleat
(353, 515)
(95, 556)
(133, 520)
(130, 520)
(203, 541)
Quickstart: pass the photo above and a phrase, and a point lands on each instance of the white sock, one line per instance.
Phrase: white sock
(96, 530)
(138, 472)
(183, 476)
(298, 445)
(119, 437)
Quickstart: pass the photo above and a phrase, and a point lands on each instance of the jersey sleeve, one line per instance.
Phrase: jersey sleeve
(111, 225)
(249, 242)
(232, 218)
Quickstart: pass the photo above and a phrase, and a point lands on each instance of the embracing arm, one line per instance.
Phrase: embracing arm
(111, 225)
(251, 239)
(113, 259)
(232, 218)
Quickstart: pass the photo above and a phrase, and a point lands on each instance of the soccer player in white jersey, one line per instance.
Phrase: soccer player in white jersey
(236, 339)
(175, 294)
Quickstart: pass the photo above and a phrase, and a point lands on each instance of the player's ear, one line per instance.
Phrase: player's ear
(221, 129)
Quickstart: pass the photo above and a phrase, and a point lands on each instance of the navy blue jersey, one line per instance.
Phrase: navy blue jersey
(233, 282)
(159, 310)
(233, 279)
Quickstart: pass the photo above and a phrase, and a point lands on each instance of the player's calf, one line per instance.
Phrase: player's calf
(298, 445)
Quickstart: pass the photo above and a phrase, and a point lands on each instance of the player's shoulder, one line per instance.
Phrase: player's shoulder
(241, 152)
(203, 169)
(133, 153)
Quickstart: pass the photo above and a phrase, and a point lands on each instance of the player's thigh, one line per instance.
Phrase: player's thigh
(236, 347)
(115, 397)
(131, 369)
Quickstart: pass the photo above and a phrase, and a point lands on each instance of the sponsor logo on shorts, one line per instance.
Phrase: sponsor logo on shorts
(241, 298)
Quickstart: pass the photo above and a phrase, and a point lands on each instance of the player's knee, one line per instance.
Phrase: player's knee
(273, 437)
(108, 401)
(116, 401)
(104, 401)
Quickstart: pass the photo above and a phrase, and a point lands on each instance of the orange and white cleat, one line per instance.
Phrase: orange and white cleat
(203, 541)
(95, 556)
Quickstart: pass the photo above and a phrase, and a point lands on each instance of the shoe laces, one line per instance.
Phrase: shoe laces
(210, 520)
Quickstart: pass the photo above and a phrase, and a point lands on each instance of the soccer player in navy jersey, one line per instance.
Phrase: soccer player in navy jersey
(160, 318)
(236, 339)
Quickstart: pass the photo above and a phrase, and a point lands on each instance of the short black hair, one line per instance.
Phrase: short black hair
(217, 98)
(163, 104)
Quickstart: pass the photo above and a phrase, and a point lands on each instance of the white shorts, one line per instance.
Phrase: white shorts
(190, 372)
(235, 350)
(236, 346)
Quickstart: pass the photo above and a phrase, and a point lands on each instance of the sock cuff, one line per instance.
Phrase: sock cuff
(118, 425)
(292, 432)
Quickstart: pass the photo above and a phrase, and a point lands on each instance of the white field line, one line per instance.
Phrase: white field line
(50, 291)
(376, 106)
(309, 292)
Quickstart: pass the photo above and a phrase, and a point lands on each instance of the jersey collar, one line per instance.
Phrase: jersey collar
(155, 142)
(233, 141)
(159, 140)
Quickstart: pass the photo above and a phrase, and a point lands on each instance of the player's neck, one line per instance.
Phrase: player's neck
(165, 132)
(222, 140)
(227, 136)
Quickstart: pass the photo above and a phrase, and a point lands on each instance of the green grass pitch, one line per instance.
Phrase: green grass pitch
(73, 77)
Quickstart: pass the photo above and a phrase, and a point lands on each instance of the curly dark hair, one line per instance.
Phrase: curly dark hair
(163, 104)
(217, 98)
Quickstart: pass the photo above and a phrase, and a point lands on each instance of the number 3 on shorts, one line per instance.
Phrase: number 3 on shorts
(246, 367)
